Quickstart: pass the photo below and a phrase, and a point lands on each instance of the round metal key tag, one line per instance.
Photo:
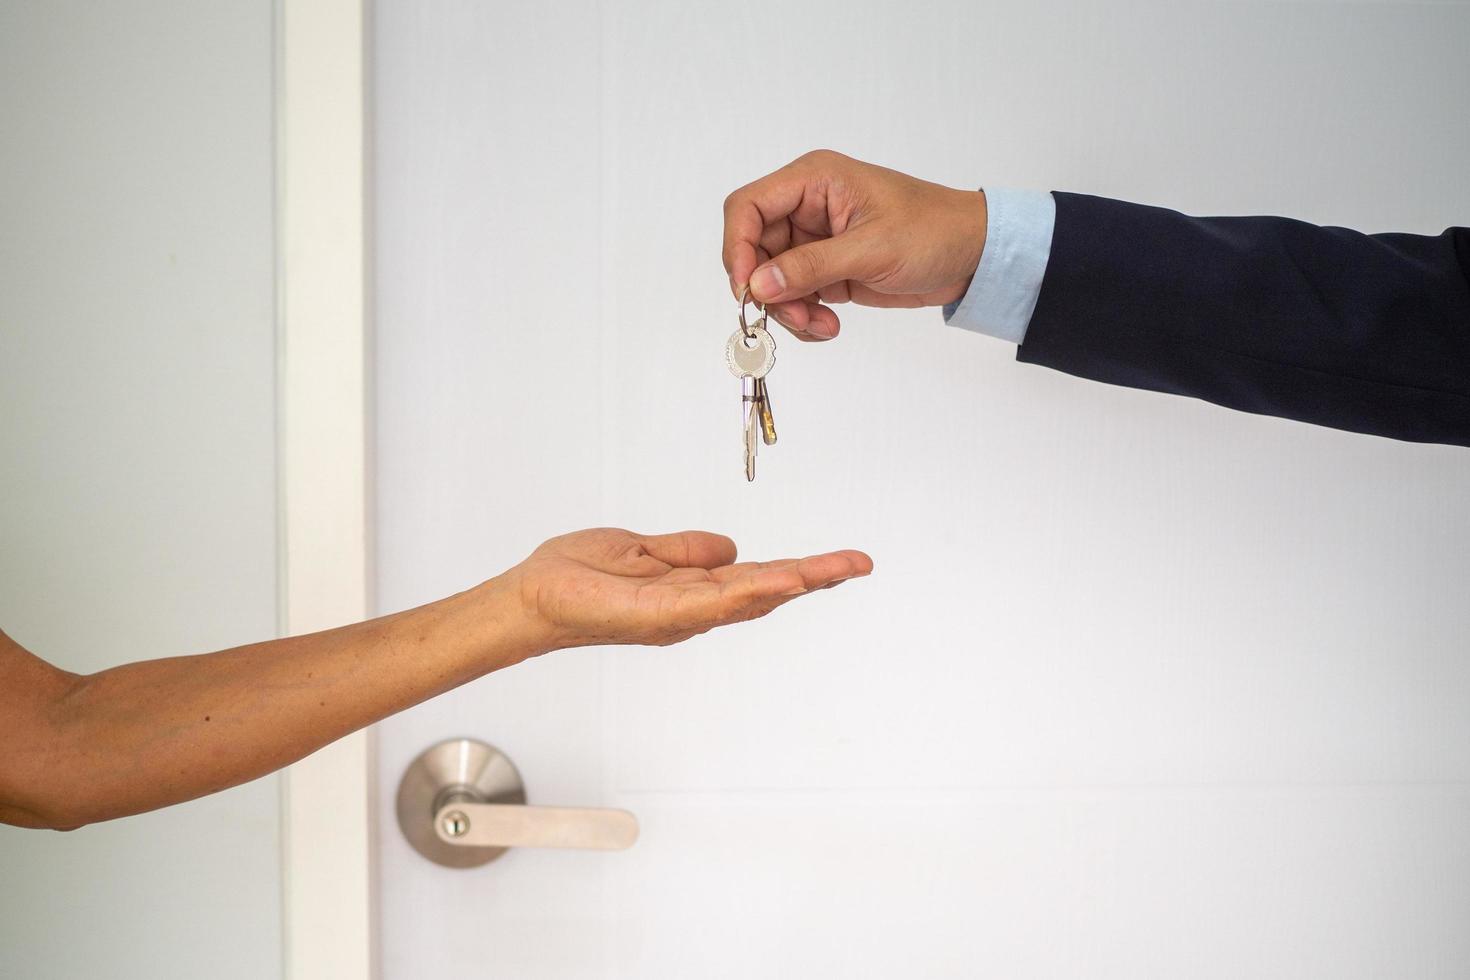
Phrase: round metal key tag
(751, 354)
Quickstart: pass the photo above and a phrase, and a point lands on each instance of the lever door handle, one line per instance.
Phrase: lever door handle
(509, 825)
(462, 803)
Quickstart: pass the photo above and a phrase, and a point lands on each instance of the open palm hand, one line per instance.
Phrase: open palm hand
(608, 585)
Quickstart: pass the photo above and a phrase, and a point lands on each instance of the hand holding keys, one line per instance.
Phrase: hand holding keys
(750, 354)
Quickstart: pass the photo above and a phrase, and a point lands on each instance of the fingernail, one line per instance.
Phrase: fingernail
(796, 591)
(821, 329)
(767, 281)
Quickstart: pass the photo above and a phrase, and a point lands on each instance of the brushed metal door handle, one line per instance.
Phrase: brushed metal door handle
(462, 803)
(502, 825)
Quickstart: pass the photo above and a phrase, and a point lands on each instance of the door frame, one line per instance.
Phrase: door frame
(327, 862)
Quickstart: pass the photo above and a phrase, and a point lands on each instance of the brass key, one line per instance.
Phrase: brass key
(768, 421)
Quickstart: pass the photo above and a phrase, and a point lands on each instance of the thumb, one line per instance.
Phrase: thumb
(803, 270)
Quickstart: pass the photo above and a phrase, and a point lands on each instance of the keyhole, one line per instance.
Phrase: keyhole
(456, 824)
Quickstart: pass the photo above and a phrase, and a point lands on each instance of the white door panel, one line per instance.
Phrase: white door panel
(1140, 687)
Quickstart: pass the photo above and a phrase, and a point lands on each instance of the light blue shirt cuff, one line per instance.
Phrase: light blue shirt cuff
(1003, 294)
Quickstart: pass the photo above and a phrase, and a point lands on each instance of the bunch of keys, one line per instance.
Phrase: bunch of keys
(750, 354)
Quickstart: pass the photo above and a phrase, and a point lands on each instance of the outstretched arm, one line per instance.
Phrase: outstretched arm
(1369, 333)
(1363, 332)
(145, 735)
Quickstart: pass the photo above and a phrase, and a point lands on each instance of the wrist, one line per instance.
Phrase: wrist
(957, 244)
(974, 218)
(504, 631)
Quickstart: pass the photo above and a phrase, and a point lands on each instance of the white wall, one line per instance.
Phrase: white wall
(1140, 688)
(137, 444)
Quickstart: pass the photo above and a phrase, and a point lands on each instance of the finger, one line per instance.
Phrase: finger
(747, 213)
(690, 549)
(791, 315)
(822, 322)
(730, 573)
(776, 238)
(759, 257)
(791, 578)
(836, 292)
(808, 268)
(717, 612)
(750, 590)
(806, 320)
(756, 610)
(834, 566)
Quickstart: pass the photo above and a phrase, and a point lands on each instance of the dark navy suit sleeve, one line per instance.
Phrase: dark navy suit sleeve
(1369, 333)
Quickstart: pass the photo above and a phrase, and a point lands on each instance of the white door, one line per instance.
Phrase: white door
(1140, 687)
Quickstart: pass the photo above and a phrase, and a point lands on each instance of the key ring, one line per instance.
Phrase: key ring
(746, 328)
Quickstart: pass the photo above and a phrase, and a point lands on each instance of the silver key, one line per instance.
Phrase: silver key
(750, 353)
(750, 411)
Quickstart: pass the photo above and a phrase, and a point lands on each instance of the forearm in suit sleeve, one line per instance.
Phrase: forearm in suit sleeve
(1369, 333)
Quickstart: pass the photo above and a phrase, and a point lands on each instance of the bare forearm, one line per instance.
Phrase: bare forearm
(74, 750)
(149, 734)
